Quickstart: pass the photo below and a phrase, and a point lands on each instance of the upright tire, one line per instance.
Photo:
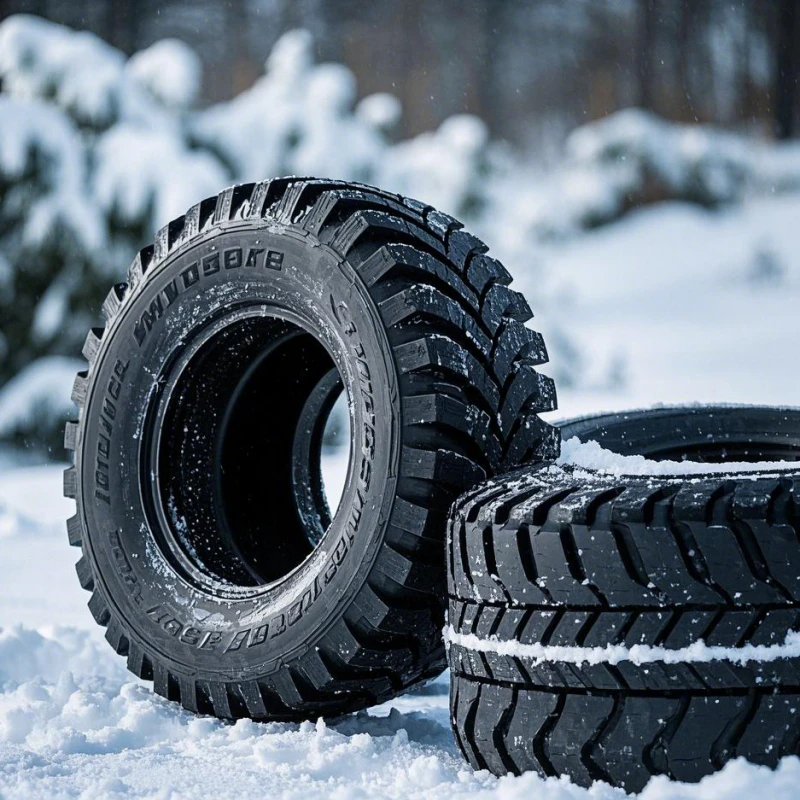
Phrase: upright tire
(611, 626)
(210, 552)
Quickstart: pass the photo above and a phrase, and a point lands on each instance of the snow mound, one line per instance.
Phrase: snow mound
(73, 725)
(590, 455)
(69, 711)
(633, 158)
(701, 163)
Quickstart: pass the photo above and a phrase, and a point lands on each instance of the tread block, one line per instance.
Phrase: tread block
(85, 575)
(70, 435)
(187, 689)
(773, 732)
(773, 627)
(99, 609)
(220, 701)
(74, 530)
(689, 754)
(113, 301)
(581, 714)
(517, 576)
(250, 693)
(730, 630)
(688, 629)
(605, 566)
(444, 467)
(70, 482)
(461, 246)
(483, 270)
(491, 720)
(554, 575)
(80, 388)
(222, 207)
(606, 629)
(646, 628)
(623, 751)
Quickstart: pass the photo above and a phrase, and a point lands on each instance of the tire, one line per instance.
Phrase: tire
(208, 546)
(710, 433)
(557, 556)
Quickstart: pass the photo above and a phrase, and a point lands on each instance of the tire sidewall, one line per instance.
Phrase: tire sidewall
(190, 630)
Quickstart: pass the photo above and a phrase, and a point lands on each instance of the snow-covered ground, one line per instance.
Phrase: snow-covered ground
(677, 304)
(692, 305)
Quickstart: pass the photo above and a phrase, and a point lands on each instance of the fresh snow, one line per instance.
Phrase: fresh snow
(75, 724)
(673, 304)
(637, 654)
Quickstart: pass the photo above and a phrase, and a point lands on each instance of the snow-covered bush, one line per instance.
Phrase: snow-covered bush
(76, 71)
(97, 151)
(633, 158)
(300, 118)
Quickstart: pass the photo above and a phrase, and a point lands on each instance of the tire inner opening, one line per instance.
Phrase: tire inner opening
(255, 430)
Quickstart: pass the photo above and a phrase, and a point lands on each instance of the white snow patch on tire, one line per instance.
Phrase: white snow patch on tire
(637, 654)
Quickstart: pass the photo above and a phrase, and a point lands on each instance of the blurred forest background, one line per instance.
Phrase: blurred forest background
(728, 62)
(538, 123)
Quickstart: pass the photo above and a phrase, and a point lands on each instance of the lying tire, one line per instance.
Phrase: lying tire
(208, 546)
(580, 600)
(701, 433)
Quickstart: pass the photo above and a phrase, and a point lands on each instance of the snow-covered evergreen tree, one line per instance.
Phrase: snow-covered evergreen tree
(94, 154)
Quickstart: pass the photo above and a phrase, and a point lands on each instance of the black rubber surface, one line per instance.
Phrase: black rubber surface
(710, 433)
(208, 547)
(566, 556)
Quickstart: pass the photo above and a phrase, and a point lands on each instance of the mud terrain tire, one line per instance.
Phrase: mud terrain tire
(210, 556)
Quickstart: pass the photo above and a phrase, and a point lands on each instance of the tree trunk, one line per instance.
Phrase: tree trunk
(645, 46)
(788, 69)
